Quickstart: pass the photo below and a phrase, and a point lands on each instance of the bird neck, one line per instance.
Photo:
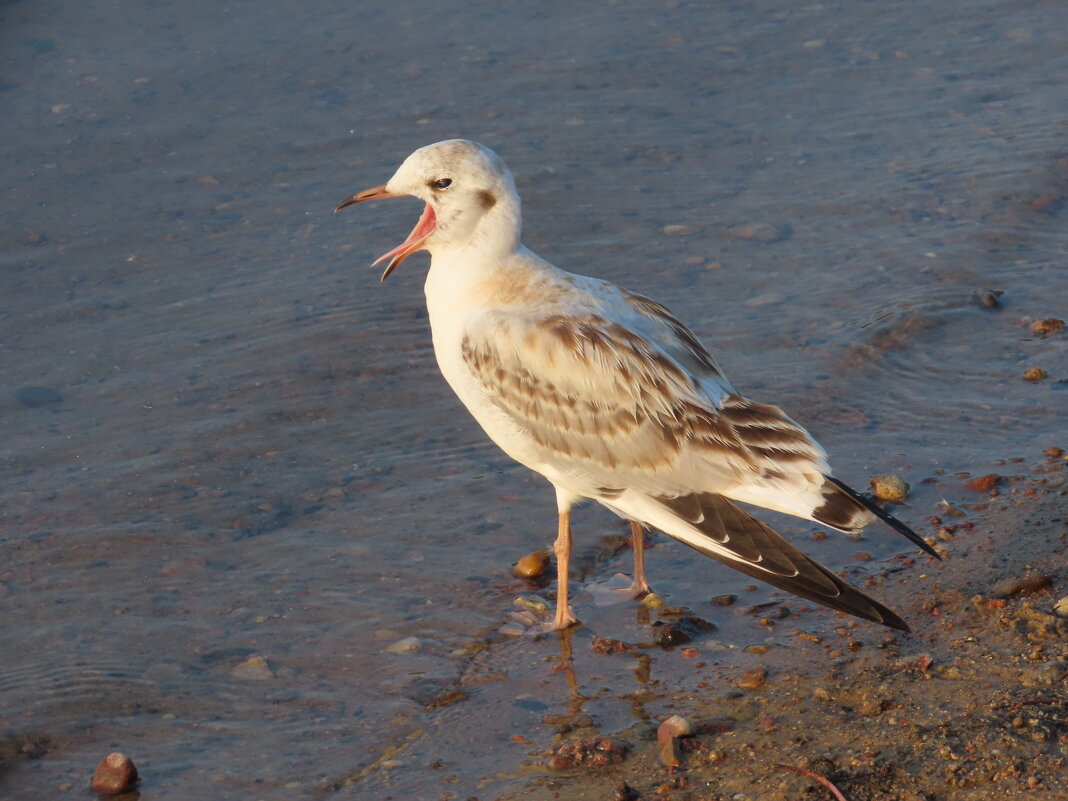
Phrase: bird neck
(491, 237)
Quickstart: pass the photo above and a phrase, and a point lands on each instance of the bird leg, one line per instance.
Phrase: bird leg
(639, 587)
(562, 549)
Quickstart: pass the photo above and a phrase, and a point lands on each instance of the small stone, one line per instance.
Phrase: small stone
(678, 230)
(1053, 452)
(1060, 609)
(593, 752)
(1049, 325)
(115, 774)
(989, 298)
(680, 631)
(767, 299)
(38, 397)
(1050, 674)
(889, 487)
(254, 668)
(674, 726)
(1035, 374)
(532, 565)
(531, 602)
(409, 645)
(605, 645)
(758, 232)
(724, 600)
(987, 483)
(946, 508)
(668, 735)
(624, 792)
(1027, 584)
(753, 679)
(652, 601)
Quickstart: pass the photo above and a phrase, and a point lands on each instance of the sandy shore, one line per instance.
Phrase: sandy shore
(971, 705)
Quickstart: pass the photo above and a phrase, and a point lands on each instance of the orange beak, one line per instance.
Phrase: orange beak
(427, 224)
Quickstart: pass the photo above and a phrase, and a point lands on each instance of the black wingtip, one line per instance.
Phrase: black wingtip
(886, 517)
(893, 621)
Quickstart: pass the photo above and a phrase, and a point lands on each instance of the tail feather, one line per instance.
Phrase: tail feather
(847, 510)
(737, 539)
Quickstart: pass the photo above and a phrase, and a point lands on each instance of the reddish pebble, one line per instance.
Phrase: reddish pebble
(1049, 325)
(115, 774)
(987, 483)
(594, 752)
(1053, 452)
(753, 679)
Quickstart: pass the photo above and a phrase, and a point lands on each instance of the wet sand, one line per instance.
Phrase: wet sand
(970, 705)
(249, 537)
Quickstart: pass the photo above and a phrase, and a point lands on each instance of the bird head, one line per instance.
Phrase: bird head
(470, 200)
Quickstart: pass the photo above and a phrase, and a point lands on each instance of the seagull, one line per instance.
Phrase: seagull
(609, 396)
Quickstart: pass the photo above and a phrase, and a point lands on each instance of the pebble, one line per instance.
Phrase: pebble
(594, 752)
(532, 565)
(724, 600)
(652, 601)
(672, 727)
(1060, 609)
(767, 299)
(531, 602)
(115, 774)
(1027, 584)
(38, 397)
(989, 298)
(681, 631)
(753, 679)
(1049, 325)
(254, 668)
(946, 508)
(1053, 452)
(1035, 374)
(985, 483)
(1049, 675)
(667, 736)
(409, 645)
(758, 232)
(889, 487)
(678, 230)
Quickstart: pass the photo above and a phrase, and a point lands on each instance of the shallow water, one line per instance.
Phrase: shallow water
(251, 452)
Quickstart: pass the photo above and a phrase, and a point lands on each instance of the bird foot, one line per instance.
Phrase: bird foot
(639, 589)
(531, 623)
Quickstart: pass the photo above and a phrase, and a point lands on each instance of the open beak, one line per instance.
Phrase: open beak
(426, 226)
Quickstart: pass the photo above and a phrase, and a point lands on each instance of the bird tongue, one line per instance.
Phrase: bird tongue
(427, 224)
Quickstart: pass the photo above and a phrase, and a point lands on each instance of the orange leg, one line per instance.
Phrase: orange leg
(639, 586)
(562, 549)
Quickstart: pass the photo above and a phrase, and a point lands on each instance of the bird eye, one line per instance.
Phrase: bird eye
(441, 183)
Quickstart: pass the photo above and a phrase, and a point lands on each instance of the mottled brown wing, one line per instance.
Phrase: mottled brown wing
(595, 392)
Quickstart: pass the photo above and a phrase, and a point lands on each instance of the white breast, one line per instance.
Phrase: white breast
(457, 295)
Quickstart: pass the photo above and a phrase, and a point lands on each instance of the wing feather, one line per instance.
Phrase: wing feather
(639, 402)
(738, 540)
